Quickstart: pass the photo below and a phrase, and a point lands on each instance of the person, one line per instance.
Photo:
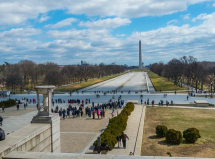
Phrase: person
(187, 97)
(141, 101)
(118, 138)
(64, 113)
(1, 120)
(153, 103)
(2, 109)
(2, 134)
(124, 137)
(68, 112)
(24, 106)
(98, 113)
(112, 114)
(17, 106)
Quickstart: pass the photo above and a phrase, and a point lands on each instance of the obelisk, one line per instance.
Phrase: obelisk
(140, 55)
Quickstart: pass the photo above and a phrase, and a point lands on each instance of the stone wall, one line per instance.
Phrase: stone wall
(42, 155)
(33, 138)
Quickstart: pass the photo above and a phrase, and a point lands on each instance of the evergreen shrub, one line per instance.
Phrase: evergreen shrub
(161, 130)
(173, 136)
(115, 127)
(191, 135)
(8, 103)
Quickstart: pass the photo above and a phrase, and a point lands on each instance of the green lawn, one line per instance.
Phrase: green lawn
(78, 86)
(161, 83)
(179, 119)
(139, 70)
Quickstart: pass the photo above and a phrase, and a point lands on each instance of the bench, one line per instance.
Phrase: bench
(201, 103)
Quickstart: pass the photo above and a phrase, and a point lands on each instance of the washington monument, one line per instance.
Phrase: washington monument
(140, 56)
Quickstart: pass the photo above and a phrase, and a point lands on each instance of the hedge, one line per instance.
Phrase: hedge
(8, 103)
(115, 127)
(191, 135)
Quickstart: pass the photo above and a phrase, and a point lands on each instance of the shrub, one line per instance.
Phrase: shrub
(191, 135)
(161, 130)
(115, 127)
(8, 103)
(173, 136)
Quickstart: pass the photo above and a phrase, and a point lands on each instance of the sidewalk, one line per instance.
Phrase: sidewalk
(134, 130)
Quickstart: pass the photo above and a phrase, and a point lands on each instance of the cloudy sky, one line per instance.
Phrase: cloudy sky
(68, 31)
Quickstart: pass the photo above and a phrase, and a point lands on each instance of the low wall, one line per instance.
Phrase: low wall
(36, 137)
(42, 155)
(33, 138)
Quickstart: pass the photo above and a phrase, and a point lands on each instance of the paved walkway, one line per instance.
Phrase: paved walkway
(134, 130)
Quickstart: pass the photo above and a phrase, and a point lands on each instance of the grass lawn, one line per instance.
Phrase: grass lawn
(161, 83)
(179, 119)
(139, 70)
(77, 86)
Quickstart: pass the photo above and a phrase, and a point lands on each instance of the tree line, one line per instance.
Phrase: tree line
(187, 70)
(27, 74)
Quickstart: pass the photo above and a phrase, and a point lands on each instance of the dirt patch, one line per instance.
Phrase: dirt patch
(179, 119)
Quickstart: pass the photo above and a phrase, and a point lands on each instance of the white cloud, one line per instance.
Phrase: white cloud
(187, 16)
(20, 32)
(44, 18)
(15, 12)
(63, 23)
(120, 35)
(106, 23)
(89, 44)
(204, 16)
(172, 21)
(214, 5)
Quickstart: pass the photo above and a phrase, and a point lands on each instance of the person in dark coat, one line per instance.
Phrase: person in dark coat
(1, 120)
(17, 107)
(64, 113)
(124, 137)
(2, 134)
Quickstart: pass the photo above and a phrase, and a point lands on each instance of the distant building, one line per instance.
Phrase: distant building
(7, 93)
(84, 63)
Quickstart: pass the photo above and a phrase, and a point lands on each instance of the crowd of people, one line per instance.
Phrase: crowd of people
(77, 108)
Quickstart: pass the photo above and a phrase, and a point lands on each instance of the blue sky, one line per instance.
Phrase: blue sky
(68, 31)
